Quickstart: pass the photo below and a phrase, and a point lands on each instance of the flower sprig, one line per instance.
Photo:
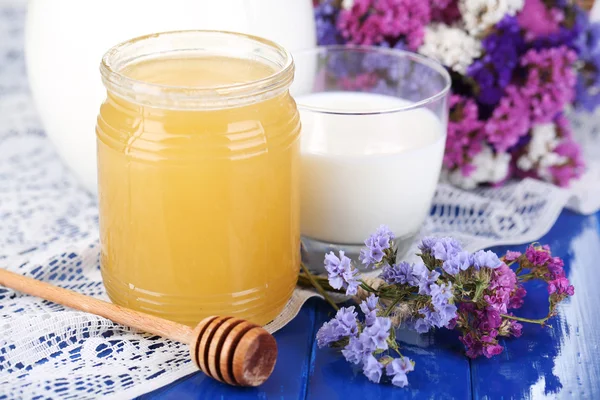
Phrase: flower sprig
(474, 293)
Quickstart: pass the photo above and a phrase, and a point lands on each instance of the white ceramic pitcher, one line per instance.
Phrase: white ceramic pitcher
(65, 40)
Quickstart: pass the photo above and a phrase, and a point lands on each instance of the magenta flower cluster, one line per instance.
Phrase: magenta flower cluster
(531, 66)
(474, 293)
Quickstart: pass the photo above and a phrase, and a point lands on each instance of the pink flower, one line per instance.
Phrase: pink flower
(537, 20)
(550, 81)
(538, 257)
(371, 22)
(561, 286)
(512, 255)
(509, 120)
(465, 135)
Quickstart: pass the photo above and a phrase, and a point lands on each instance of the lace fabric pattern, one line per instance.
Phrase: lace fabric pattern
(49, 231)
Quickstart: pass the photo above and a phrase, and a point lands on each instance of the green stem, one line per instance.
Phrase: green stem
(391, 307)
(317, 286)
(540, 321)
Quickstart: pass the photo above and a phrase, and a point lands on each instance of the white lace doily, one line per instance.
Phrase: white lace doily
(48, 230)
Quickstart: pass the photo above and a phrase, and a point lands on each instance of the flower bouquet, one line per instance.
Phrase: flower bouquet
(449, 288)
(516, 68)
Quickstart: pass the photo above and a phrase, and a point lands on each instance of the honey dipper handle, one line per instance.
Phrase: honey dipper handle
(120, 315)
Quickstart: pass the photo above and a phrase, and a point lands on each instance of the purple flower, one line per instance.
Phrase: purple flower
(561, 286)
(326, 14)
(538, 257)
(460, 261)
(344, 324)
(379, 332)
(376, 244)
(441, 294)
(487, 259)
(512, 255)
(422, 325)
(403, 273)
(445, 248)
(510, 120)
(358, 349)
(398, 369)
(372, 369)
(369, 308)
(341, 274)
(427, 280)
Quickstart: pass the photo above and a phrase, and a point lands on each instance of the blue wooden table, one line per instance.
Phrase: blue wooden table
(559, 361)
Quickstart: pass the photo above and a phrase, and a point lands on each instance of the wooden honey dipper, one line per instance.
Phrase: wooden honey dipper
(228, 349)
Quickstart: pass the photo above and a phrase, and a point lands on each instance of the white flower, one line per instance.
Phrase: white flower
(479, 15)
(347, 4)
(540, 154)
(451, 46)
(489, 168)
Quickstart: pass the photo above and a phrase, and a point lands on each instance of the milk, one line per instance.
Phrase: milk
(361, 171)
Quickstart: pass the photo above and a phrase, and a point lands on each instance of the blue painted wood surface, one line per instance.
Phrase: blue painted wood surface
(560, 361)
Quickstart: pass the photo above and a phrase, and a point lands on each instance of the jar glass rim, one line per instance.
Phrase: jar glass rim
(197, 42)
(396, 53)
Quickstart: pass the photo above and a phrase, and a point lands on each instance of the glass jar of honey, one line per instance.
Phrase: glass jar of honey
(198, 163)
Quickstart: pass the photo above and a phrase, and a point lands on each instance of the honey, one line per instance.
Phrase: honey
(199, 185)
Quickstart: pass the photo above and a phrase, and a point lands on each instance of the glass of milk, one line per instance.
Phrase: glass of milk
(372, 143)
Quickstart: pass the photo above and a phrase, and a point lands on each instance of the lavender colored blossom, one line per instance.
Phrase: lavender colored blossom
(487, 259)
(460, 261)
(422, 325)
(358, 349)
(377, 244)
(398, 369)
(426, 280)
(441, 294)
(402, 273)
(372, 369)
(340, 272)
(369, 308)
(326, 14)
(343, 324)
(440, 248)
(379, 332)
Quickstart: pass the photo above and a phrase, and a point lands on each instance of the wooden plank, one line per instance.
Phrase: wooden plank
(560, 361)
(287, 382)
(442, 371)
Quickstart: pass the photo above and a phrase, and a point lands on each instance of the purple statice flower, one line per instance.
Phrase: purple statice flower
(376, 244)
(341, 273)
(494, 70)
(465, 135)
(369, 308)
(398, 368)
(326, 14)
(550, 81)
(515, 328)
(372, 369)
(445, 248)
(342, 325)
(426, 280)
(487, 259)
(372, 22)
(439, 317)
(422, 325)
(537, 257)
(441, 294)
(512, 255)
(358, 349)
(402, 273)
(561, 286)
(378, 333)
(572, 22)
(538, 20)
(509, 120)
(460, 261)
(555, 267)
